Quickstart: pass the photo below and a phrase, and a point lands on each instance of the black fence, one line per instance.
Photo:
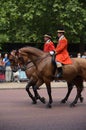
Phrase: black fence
(72, 48)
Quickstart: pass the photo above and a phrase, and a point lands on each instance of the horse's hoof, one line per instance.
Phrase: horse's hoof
(49, 105)
(72, 105)
(63, 101)
(81, 99)
(34, 101)
(43, 100)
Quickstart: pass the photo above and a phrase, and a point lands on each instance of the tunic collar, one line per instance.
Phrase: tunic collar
(61, 37)
(48, 41)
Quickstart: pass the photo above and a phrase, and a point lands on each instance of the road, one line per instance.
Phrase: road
(18, 113)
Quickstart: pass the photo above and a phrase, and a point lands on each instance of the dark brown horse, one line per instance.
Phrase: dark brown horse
(30, 72)
(74, 73)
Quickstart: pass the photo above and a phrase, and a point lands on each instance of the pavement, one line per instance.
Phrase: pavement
(18, 113)
(22, 85)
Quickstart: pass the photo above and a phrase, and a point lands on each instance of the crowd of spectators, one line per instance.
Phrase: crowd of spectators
(79, 55)
(6, 73)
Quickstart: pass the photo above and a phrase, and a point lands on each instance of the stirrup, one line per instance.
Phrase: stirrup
(59, 75)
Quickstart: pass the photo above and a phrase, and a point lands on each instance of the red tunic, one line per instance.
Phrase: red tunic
(48, 46)
(62, 53)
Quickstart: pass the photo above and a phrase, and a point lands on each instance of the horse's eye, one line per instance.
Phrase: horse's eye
(10, 59)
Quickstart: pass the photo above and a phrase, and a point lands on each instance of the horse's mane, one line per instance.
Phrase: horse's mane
(32, 50)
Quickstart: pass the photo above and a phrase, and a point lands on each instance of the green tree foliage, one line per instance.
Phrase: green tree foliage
(28, 20)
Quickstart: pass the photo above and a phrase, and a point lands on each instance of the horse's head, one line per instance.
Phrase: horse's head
(23, 57)
(13, 58)
(18, 60)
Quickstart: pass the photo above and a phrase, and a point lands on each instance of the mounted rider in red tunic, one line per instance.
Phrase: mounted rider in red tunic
(48, 45)
(62, 55)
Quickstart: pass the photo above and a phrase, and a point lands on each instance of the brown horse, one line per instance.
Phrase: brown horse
(30, 69)
(74, 73)
(30, 72)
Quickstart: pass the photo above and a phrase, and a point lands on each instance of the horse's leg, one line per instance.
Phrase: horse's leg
(79, 84)
(70, 87)
(35, 87)
(37, 96)
(81, 98)
(29, 93)
(33, 82)
(48, 86)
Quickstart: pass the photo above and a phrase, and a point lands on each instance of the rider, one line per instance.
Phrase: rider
(62, 55)
(48, 45)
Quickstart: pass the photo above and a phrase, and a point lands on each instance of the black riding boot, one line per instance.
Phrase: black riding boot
(60, 72)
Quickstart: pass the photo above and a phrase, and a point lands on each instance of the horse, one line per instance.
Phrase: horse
(29, 69)
(30, 72)
(74, 73)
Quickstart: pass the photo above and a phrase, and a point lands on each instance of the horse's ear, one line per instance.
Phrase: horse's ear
(16, 52)
(19, 51)
(12, 52)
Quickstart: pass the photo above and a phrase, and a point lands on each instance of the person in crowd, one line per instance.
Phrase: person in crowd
(78, 55)
(84, 55)
(2, 69)
(48, 45)
(16, 76)
(8, 70)
(22, 75)
(62, 55)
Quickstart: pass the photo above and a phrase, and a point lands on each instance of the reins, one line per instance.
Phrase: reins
(42, 58)
(25, 66)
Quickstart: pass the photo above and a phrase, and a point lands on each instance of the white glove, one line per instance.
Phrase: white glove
(51, 53)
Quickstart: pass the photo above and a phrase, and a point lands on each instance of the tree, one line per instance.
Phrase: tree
(26, 21)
